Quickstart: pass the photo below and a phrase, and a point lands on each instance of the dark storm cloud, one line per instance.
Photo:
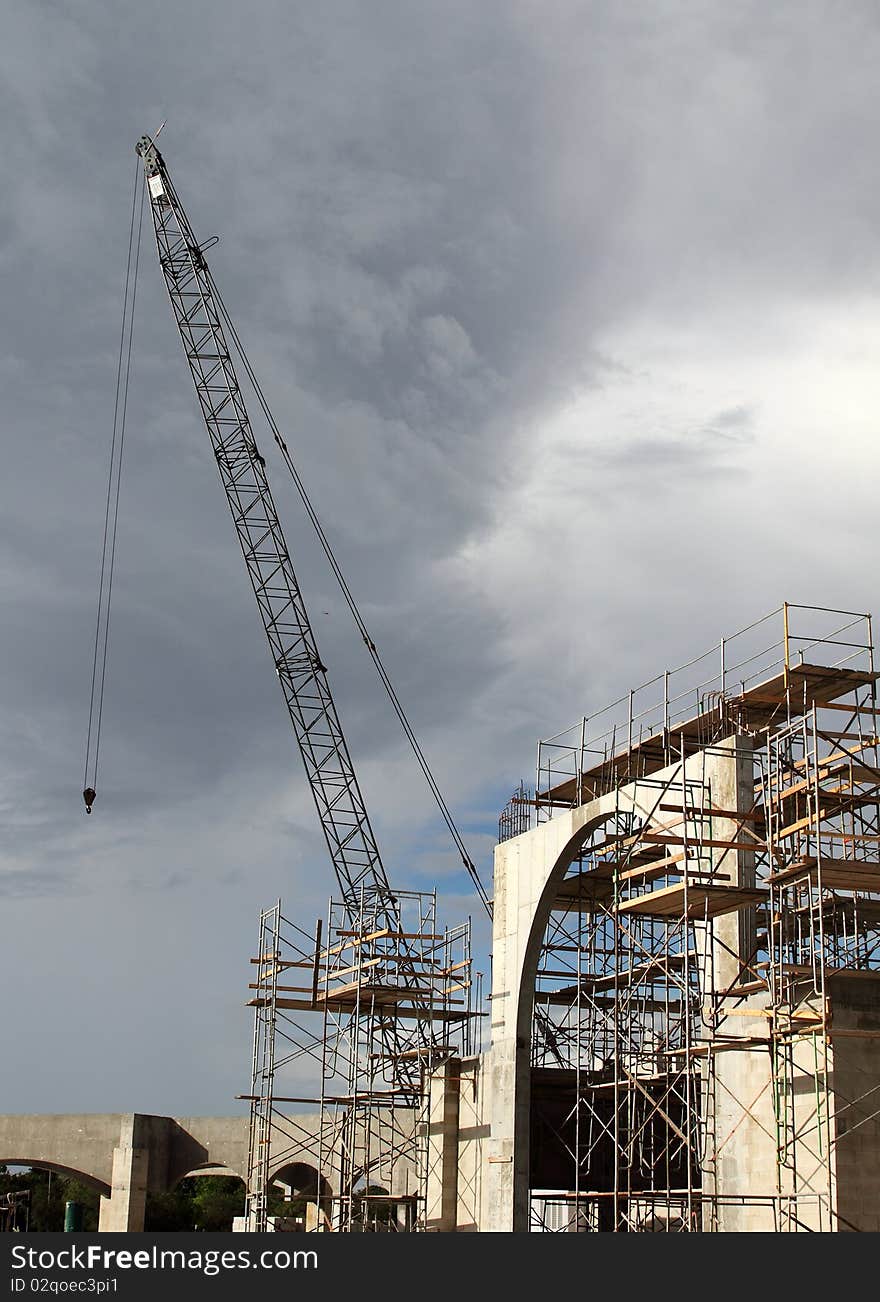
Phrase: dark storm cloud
(442, 225)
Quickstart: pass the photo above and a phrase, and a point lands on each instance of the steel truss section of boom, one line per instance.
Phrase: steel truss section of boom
(301, 672)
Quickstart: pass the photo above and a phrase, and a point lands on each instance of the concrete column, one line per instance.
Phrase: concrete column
(124, 1210)
(443, 1105)
(317, 1220)
(733, 787)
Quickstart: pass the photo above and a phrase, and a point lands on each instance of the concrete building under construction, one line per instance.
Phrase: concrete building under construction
(685, 989)
(683, 1017)
(684, 1024)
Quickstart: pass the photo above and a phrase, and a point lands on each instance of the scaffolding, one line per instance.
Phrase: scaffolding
(694, 984)
(387, 999)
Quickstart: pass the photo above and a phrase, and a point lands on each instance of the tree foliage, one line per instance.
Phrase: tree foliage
(206, 1202)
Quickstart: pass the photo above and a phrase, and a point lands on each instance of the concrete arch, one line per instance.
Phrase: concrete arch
(80, 1144)
(58, 1168)
(594, 817)
(206, 1146)
(125, 1156)
(541, 918)
(210, 1168)
(529, 871)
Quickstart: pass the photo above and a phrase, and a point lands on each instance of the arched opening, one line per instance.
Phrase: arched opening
(375, 1211)
(560, 894)
(34, 1195)
(208, 1198)
(614, 989)
(549, 1035)
(301, 1198)
(210, 1168)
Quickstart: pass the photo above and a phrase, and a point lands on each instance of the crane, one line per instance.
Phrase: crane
(405, 1053)
(203, 321)
(200, 318)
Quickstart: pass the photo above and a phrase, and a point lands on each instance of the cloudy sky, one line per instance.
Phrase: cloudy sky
(570, 313)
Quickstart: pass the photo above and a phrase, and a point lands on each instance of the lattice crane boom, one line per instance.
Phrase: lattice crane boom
(199, 315)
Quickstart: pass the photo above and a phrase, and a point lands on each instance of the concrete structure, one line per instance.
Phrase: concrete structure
(686, 960)
(685, 1001)
(530, 872)
(685, 1015)
(126, 1155)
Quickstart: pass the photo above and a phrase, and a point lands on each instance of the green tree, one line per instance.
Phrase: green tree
(216, 1200)
(171, 1211)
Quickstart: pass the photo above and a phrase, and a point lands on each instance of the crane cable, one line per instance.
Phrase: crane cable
(111, 510)
(352, 605)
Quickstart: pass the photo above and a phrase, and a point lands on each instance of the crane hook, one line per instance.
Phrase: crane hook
(89, 797)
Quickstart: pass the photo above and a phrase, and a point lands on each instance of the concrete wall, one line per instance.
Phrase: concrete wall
(855, 1040)
(128, 1155)
(442, 1147)
(745, 1126)
(473, 1131)
(72, 1143)
(834, 1167)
